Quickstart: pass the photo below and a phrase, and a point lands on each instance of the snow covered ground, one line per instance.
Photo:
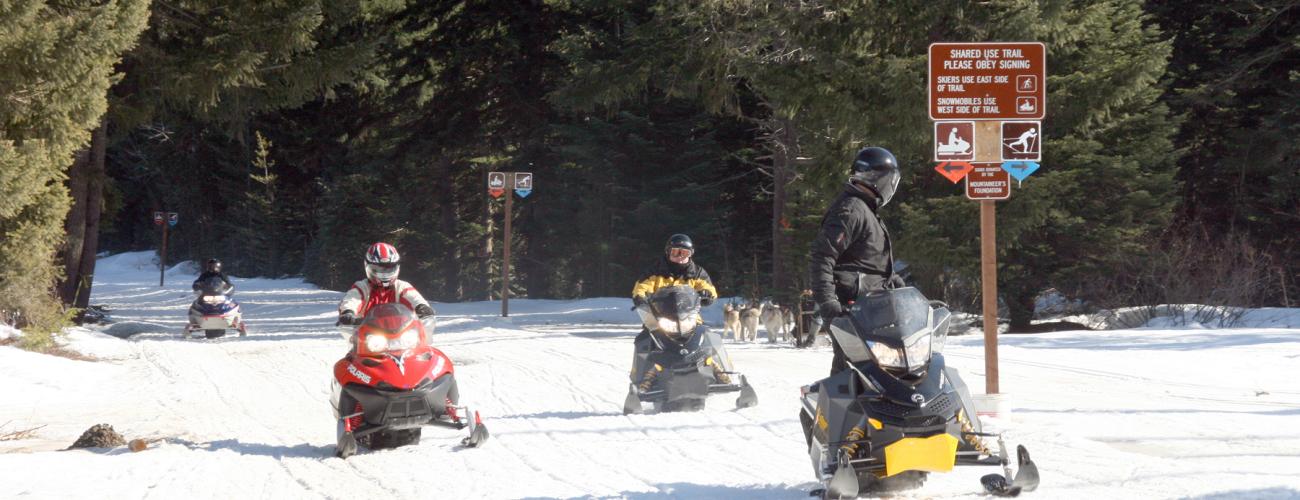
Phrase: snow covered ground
(1145, 413)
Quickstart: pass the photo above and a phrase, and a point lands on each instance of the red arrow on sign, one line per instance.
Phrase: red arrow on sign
(954, 170)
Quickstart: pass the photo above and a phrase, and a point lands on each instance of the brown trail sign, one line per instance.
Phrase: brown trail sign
(979, 85)
(987, 81)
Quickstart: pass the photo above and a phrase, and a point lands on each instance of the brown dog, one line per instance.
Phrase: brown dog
(731, 320)
(774, 320)
(749, 322)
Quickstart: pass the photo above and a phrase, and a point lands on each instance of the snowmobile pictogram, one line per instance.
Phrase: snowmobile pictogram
(898, 412)
(392, 383)
(680, 362)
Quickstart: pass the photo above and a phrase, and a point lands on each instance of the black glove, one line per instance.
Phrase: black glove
(830, 309)
(347, 318)
(896, 281)
(706, 298)
(638, 301)
(423, 310)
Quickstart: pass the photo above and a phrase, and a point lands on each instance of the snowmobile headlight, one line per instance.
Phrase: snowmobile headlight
(918, 353)
(376, 343)
(887, 356)
(676, 327)
(409, 339)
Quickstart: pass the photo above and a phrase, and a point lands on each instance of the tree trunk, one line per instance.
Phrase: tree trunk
(94, 209)
(75, 226)
(85, 186)
(782, 145)
(485, 286)
(1021, 309)
(448, 226)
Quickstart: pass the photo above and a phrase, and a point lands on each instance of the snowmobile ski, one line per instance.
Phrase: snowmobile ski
(748, 398)
(1008, 485)
(632, 404)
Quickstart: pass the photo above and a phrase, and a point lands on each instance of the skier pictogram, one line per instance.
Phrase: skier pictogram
(1026, 83)
(1021, 141)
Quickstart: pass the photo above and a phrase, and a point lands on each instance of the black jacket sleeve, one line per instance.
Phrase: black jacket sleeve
(840, 228)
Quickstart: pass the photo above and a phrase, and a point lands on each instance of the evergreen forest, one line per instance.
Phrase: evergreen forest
(288, 135)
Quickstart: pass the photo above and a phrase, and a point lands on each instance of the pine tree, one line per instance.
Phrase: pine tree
(56, 64)
(1233, 76)
(1105, 188)
(206, 76)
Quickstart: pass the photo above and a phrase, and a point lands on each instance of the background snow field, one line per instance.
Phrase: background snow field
(1145, 413)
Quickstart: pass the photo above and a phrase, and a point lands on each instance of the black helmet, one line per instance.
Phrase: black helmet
(213, 265)
(679, 241)
(877, 169)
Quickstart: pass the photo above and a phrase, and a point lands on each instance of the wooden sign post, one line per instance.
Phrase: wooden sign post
(498, 183)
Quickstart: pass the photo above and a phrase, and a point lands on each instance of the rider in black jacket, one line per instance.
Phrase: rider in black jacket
(210, 269)
(853, 253)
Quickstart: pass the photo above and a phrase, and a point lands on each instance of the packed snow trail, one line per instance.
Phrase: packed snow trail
(1121, 414)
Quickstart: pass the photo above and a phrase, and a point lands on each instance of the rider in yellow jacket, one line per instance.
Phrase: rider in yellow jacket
(675, 268)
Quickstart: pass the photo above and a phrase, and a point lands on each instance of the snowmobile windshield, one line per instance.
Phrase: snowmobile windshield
(891, 327)
(677, 309)
(391, 318)
(676, 302)
(213, 286)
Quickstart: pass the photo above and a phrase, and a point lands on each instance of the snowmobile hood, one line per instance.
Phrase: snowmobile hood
(397, 371)
(896, 328)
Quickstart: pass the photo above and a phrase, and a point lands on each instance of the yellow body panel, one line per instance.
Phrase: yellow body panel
(937, 453)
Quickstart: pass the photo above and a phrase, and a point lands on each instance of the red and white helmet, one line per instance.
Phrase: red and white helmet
(382, 264)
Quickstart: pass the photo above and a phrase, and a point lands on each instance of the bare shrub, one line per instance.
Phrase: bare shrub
(1191, 276)
(15, 435)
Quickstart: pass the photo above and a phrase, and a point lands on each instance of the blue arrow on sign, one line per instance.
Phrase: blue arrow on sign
(523, 193)
(1020, 169)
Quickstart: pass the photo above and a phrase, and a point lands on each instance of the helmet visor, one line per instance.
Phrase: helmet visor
(383, 272)
(679, 255)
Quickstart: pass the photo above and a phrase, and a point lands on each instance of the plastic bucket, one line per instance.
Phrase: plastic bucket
(992, 405)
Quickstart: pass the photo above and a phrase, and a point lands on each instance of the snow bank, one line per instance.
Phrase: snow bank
(1196, 316)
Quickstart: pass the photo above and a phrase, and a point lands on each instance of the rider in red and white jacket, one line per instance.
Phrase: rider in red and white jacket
(381, 286)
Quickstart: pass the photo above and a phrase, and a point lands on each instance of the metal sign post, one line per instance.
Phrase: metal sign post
(986, 100)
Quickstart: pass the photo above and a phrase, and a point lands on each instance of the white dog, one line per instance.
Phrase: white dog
(731, 320)
(749, 322)
(774, 319)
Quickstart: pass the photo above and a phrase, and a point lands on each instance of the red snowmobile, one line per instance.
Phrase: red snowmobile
(392, 383)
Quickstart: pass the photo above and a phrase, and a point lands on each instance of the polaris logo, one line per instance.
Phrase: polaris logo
(358, 373)
(918, 399)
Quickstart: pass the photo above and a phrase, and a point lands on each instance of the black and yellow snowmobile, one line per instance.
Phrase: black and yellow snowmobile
(898, 412)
